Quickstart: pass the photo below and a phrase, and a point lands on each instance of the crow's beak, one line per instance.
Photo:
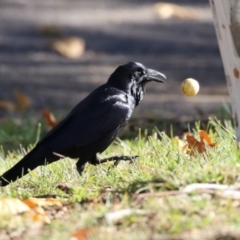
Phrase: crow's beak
(156, 76)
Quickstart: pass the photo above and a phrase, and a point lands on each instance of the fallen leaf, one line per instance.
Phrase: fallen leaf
(43, 202)
(37, 216)
(37, 213)
(205, 137)
(71, 47)
(29, 203)
(22, 101)
(18, 213)
(30, 211)
(193, 145)
(169, 10)
(7, 105)
(82, 234)
(12, 206)
(49, 118)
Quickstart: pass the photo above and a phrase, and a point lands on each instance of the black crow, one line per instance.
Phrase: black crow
(93, 124)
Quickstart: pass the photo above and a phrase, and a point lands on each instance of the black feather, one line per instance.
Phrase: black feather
(92, 125)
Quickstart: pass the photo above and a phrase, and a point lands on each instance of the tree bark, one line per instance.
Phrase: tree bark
(226, 16)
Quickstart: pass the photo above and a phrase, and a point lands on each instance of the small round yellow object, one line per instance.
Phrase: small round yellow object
(190, 87)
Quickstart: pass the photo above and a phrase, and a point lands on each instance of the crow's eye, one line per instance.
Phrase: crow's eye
(140, 70)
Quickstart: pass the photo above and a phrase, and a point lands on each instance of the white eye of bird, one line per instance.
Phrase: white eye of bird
(140, 70)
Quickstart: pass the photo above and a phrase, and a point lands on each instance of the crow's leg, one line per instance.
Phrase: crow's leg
(95, 160)
(80, 166)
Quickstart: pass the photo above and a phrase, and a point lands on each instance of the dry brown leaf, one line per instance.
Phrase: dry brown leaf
(71, 47)
(7, 105)
(49, 118)
(31, 204)
(22, 101)
(12, 206)
(193, 145)
(169, 10)
(206, 138)
(82, 234)
(38, 215)
(42, 202)
(31, 210)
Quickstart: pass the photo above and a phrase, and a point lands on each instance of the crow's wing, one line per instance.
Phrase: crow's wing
(89, 121)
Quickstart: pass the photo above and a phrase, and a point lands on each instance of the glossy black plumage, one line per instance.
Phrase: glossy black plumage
(93, 124)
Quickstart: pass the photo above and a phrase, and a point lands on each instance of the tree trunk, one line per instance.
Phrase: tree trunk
(226, 15)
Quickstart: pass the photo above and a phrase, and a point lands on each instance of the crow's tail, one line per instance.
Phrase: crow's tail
(32, 160)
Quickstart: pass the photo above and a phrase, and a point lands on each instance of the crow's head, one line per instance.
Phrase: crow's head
(132, 78)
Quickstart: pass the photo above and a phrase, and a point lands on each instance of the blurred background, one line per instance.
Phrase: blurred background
(54, 52)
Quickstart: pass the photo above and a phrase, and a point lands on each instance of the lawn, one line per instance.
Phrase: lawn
(149, 198)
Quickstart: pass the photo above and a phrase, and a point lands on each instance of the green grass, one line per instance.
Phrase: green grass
(161, 167)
